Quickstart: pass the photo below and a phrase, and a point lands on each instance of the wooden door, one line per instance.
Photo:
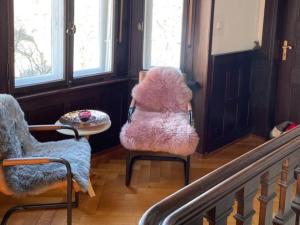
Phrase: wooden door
(288, 85)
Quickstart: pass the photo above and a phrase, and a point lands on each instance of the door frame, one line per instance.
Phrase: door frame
(265, 72)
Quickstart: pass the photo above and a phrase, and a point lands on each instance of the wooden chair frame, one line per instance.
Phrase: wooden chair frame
(133, 156)
(69, 184)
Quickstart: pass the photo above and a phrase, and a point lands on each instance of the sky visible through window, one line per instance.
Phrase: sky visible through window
(163, 45)
(33, 37)
(39, 37)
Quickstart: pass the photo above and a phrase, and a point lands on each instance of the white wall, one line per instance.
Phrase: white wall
(237, 24)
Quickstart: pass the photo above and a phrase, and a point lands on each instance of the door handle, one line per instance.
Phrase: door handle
(285, 49)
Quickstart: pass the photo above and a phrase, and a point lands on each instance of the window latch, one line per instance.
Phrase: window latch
(71, 30)
(140, 26)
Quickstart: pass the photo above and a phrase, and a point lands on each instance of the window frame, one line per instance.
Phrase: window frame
(68, 79)
(136, 40)
(148, 28)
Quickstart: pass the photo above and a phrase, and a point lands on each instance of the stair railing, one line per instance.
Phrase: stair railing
(212, 196)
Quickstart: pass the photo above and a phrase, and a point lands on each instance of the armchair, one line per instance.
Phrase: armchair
(160, 120)
(29, 167)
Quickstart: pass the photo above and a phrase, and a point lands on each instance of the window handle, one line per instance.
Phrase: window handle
(71, 30)
(120, 38)
(190, 22)
(140, 26)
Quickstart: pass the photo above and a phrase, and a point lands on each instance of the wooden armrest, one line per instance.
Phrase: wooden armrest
(25, 161)
(50, 127)
(47, 127)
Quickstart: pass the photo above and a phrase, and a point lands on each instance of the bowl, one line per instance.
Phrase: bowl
(84, 115)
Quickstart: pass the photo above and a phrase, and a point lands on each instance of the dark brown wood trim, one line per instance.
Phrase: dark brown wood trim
(69, 43)
(71, 89)
(3, 46)
(10, 43)
(135, 52)
(202, 66)
(264, 71)
(228, 116)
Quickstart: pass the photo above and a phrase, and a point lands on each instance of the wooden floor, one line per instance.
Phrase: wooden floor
(115, 204)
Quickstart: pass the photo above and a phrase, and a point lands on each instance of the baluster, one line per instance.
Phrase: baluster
(219, 215)
(267, 195)
(195, 221)
(285, 213)
(244, 199)
(296, 201)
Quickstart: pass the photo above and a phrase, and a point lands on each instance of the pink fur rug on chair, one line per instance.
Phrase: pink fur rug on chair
(160, 122)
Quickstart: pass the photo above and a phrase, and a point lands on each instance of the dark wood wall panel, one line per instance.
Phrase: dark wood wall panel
(122, 53)
(263, 84)
(229, 102)
(110, 98)
(3, 46)
(135, 53)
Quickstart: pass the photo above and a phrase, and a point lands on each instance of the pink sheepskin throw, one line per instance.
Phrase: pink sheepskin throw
(160, 122)
(162, 90)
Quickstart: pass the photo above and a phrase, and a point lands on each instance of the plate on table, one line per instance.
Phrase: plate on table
(97, 118)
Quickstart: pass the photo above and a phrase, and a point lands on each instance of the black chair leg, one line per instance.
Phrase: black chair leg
(69, 200)
(187, 170)
(39, 207)
(129, 165)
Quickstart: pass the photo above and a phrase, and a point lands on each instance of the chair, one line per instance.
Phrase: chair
(29, 167)
(159, 125)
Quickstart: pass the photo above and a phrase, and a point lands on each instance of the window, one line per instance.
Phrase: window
(38, 41)
(41, 32)
(94, 37)
(163, 31)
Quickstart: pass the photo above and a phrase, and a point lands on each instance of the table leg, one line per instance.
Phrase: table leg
(90, 190)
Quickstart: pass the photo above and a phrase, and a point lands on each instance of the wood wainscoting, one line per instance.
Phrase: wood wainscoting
(109, 96)
(229, 98)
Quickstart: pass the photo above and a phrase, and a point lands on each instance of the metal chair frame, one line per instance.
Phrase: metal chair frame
(69, 204)
(133, 156)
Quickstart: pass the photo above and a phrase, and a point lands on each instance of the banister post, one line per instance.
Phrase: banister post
(267, 195)
(285, 213)
(219, 214)
(244, 197)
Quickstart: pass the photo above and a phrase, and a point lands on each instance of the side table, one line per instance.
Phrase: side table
(86, 132)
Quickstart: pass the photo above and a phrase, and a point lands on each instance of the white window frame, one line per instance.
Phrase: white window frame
(57, 44)
(108, 34)
(147, 44)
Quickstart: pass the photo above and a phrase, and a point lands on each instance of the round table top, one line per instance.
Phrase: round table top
(85, 131)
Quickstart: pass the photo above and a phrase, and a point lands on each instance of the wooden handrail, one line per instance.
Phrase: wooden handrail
(159, 212)
(201, 204)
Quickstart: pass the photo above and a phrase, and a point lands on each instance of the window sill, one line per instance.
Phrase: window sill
(107, 81)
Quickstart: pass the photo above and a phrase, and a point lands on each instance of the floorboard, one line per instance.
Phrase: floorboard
(115, 204)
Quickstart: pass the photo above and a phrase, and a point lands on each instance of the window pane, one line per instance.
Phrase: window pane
(162, 37)
(38, 40)
(93, 40)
